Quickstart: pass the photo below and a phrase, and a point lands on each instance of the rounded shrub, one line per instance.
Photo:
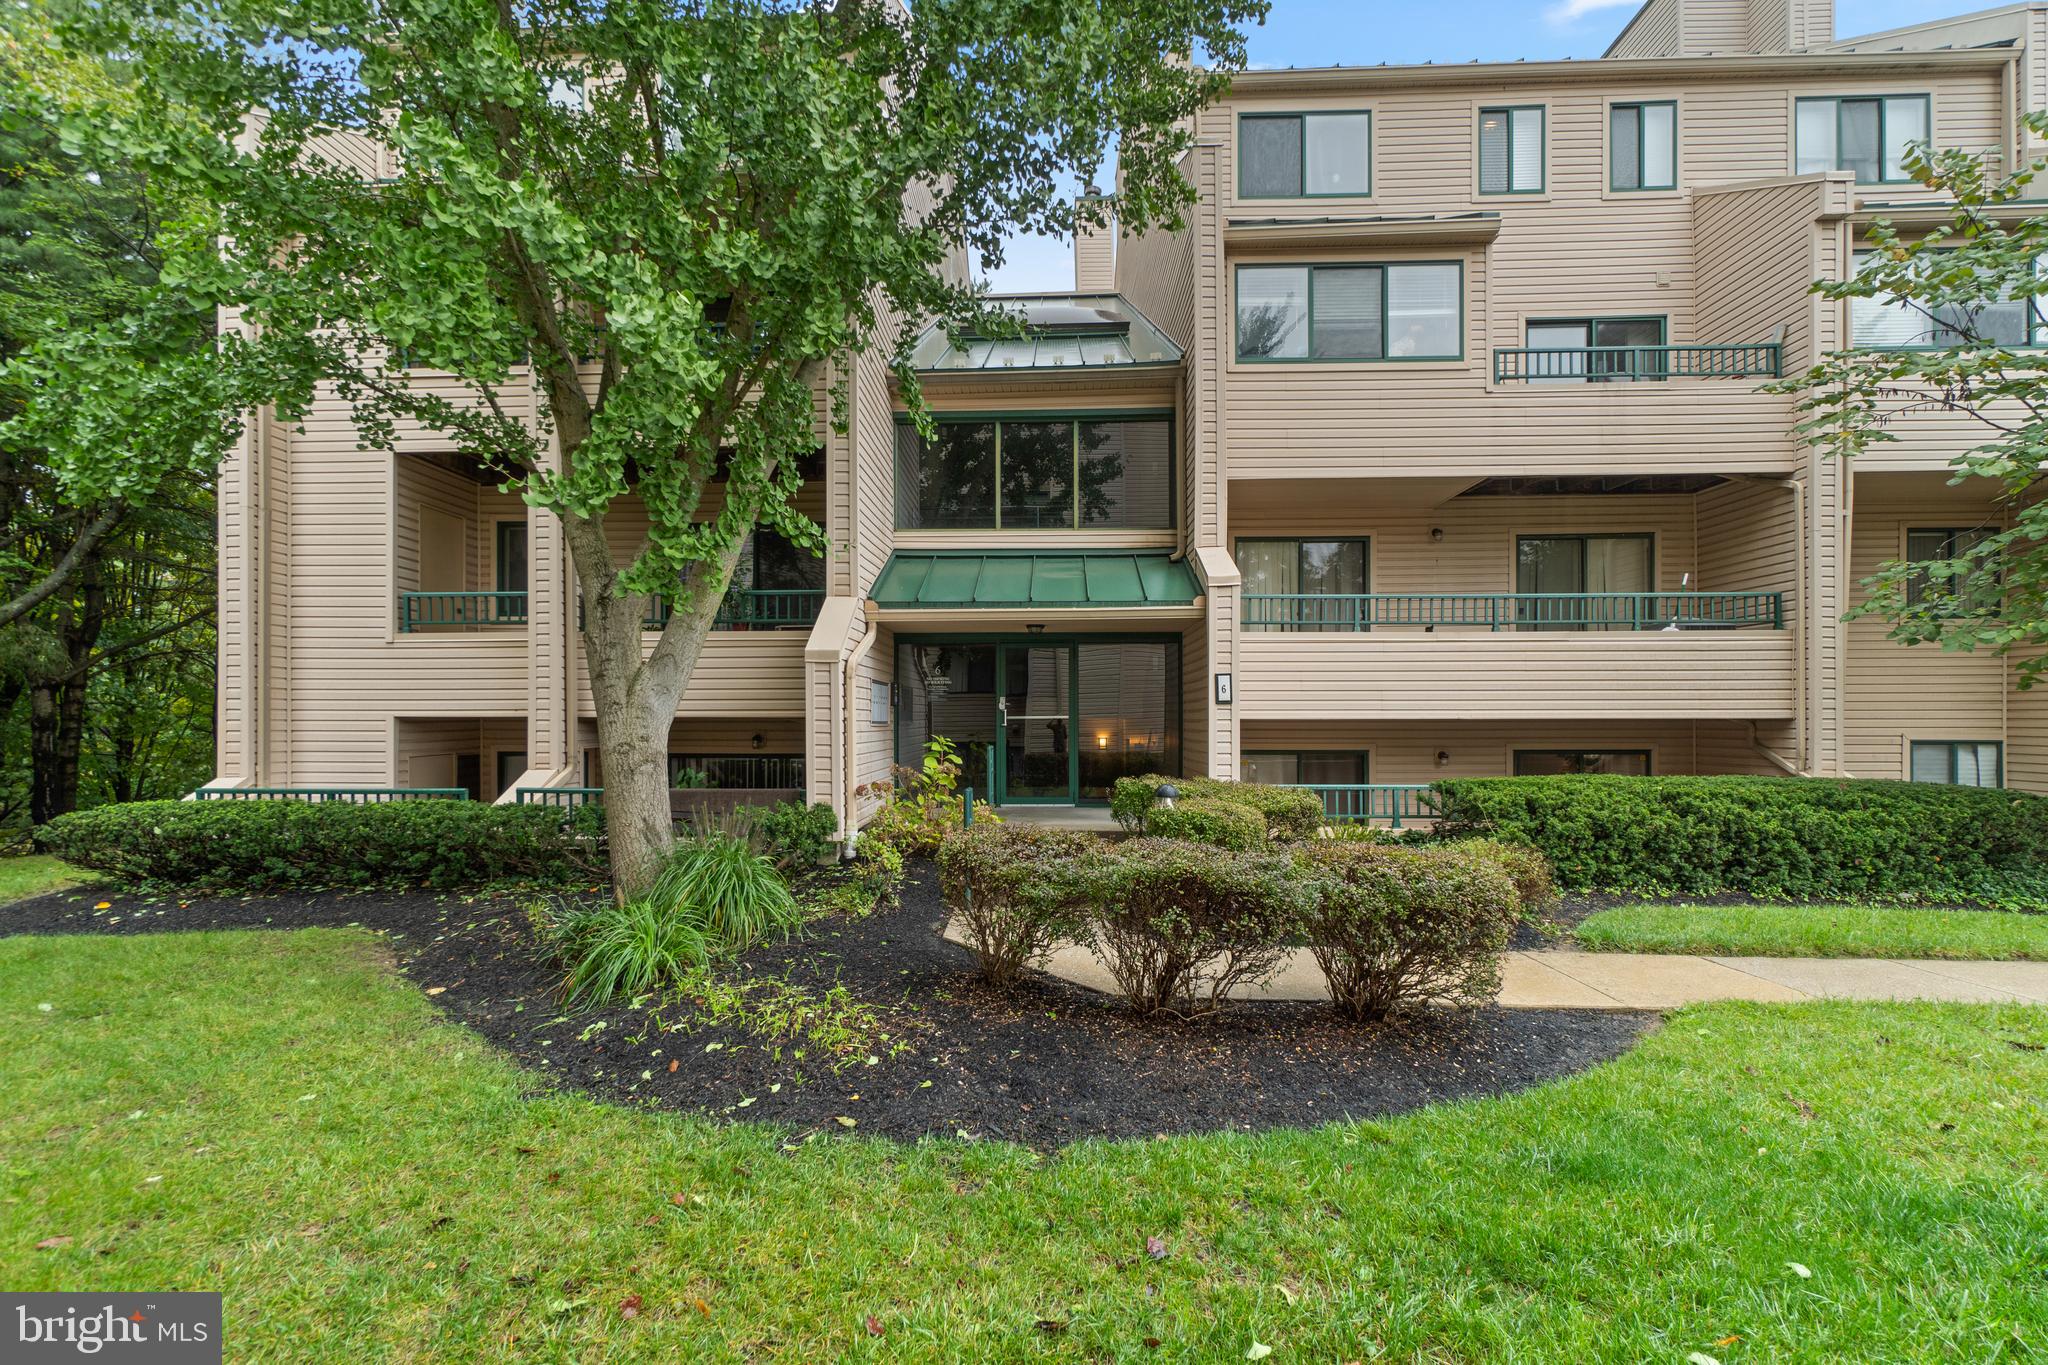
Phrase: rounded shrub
(1535, 886)
(1011, 887)
(1205, 820)
(1291, 812)
(1395, 926)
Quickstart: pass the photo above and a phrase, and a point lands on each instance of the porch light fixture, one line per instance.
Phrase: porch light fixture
(1443, 758)
(1436, 533)
(759, 742)
(1166, 795)
(1036, 630)
(1102, 741)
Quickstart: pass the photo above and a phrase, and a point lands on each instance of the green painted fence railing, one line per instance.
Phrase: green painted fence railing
(431, 610)
(1677, 611)
(1629, 364)
(749, 609)
(1392, 802)
(354, 795)
(566, 797)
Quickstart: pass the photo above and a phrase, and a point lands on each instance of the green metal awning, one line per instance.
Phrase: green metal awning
(956, 580)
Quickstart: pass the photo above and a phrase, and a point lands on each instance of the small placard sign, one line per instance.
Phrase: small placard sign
(1223, 689)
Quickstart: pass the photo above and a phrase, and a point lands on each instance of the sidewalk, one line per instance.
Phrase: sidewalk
(1656, 981)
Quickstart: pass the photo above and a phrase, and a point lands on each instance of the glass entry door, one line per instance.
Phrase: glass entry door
(1037, 714)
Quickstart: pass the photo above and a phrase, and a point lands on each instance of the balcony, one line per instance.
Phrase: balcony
(1515, 656)
(1603, 611)
(1635, 364)
(747, 609)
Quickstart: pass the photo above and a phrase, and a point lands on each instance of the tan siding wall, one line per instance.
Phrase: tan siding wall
(1748, 541)
(2026, 739)
(1895, 693)
(1754, 248)
(1155, 270)
(1652, 33)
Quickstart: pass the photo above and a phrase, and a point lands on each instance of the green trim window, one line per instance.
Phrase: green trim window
(1037, 473)
(1584, 582)
(1304, 156)
(1564, 762)
(1895, 324)
(1402, 310)
(1307, 768)
(1642, 146)
(1866, 134)
(1587, 350)
(1297, 574)
(1958, 762)
(512, 556)
(1975, 595)
(1511, 150)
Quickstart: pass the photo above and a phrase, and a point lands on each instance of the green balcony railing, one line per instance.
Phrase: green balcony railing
(440, 610)
(1678, 611)
(1631, 364)
(565, 797)
(756, 609)
(1394, 803)
(354, 795)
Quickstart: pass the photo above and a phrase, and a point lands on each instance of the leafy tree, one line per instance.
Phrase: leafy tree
(1971, 291)
(720, 204)
(105, 650)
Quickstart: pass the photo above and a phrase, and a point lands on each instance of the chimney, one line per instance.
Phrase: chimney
(1094, 252)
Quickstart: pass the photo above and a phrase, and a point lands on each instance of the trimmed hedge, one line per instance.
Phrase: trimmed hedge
(1206, 820)
(262, 847)
(1785, 837)
(1291, 813)
(1011, 888)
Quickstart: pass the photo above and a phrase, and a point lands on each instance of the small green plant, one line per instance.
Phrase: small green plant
(797, 835)
(691, 779)
(845, 1029)
(731, 892)
(615, 952)
(920, 806)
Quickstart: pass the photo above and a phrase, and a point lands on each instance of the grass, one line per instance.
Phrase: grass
(1816, 931)
(35, 874)
(278, 1116)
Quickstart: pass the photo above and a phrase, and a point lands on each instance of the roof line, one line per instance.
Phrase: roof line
(1608, 68)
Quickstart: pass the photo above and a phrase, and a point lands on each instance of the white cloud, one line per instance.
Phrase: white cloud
(1571, 11)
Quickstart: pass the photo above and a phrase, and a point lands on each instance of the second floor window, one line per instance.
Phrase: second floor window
(1296, 156)
(1978, 594)
(1050, 473)
(1567, 581)
(1293, 574)
(1894, 324)
(1642, 146)
(1350, 312)
(1866, 134)
(1511, 150)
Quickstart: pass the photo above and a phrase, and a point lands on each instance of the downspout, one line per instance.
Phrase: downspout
(849, 751)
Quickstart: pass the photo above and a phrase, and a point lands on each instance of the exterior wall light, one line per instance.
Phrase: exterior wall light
(1436, 533)
(1166, 795)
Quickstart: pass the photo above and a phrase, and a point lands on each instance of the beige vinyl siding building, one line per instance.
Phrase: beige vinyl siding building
(1432, 444)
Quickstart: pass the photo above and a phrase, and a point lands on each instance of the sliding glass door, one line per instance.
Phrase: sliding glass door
(1565, 572)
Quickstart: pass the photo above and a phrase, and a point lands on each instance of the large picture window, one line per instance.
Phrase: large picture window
(1560, 762)
(1402, 311)
(1303, 156)
(1037, 474)
(1300, 768)
(1511, 151)
(1865, 134)
(1642, 146)
(1893, 324)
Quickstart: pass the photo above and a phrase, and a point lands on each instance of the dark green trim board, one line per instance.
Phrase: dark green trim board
(1300, 118)
(941, 580)
(1312, 270)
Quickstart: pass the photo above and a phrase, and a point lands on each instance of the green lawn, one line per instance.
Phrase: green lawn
(1816, 931)
(278, 1116)
(21, 878)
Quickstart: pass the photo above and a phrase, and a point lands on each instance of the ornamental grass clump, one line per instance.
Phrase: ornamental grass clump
(1012, 889)
(615, 952)
(732, 893)
(1180, 925)
(1392, 927)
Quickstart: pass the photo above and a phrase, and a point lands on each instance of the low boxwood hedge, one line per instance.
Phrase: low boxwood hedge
(1797, 838)
(262, 847)
(1206, 820)
(1291, 813)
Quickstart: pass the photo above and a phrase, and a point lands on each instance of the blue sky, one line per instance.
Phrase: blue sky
(1366, 32)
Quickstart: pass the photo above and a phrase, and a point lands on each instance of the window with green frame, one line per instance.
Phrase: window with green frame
(1884, 323)
(1289, 581)
(1594, 350)
(1866, 134)
(1958, 762)
(1511, 152)
(1642, 146)
(1979, 594)
(1109, 472)
(1563, 762)
(1304, 156)
(511, 556)
(1307, 768)
(1403, 310)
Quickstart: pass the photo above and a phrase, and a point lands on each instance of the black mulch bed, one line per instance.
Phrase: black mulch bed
(1044, 1065)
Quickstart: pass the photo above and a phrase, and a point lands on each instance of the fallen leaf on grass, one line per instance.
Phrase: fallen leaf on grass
(1727, 1341)
(701, 1307)
(53, 1243)
(1259, 1351)
(1797, 1269)
(874, 1325)
(1701, 1358)
(104, 905)
(1155, 1247)
(629, 1307)
(436, 990)
(1052, 1327)
(1287, 1293)
(1152, 1343)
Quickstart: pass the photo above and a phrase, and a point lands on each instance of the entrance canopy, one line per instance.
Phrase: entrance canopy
(939, 581)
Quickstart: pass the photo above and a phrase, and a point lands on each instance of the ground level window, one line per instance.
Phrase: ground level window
(1959, 762)
(511, 767)
(1301, 768)
(1557, 762)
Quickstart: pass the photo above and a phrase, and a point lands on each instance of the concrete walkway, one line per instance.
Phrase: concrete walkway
(1656, 981)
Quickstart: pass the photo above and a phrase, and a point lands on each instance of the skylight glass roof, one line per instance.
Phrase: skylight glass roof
(1064, 332)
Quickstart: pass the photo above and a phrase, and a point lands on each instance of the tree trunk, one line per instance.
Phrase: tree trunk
(57, 706)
